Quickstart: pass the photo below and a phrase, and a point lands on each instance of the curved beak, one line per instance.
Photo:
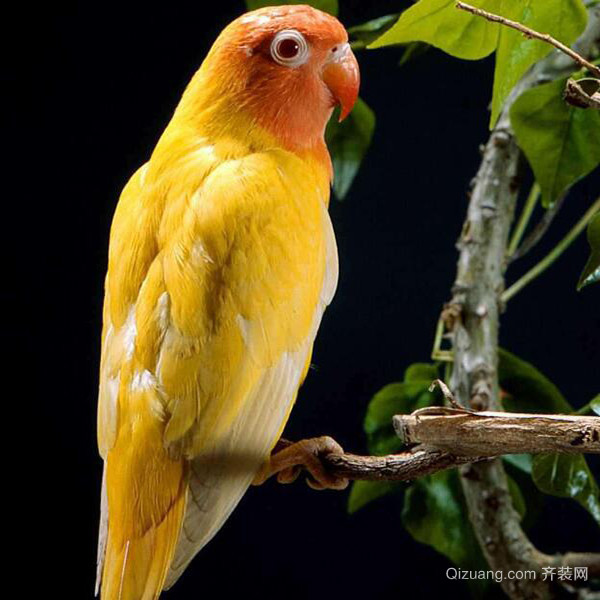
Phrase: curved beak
(342, 76)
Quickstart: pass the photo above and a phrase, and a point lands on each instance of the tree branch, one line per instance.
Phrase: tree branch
(531, 33)
(547, 261)
(538, 232)
(591, 560)
(406, 466)
(584, 93)
(495, 433)
(450, 437)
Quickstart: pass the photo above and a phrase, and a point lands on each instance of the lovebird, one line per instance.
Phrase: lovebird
(222, 260)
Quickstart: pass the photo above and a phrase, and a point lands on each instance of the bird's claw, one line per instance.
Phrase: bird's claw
(289, 462)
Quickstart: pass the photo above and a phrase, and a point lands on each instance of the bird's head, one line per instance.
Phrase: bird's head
(282, 69)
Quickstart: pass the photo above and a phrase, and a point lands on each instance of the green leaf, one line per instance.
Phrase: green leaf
(525, 389)
(329, 6)
(440, 24)
(591, 271)
(561, 142)
(567, 476)
(364, 492)
(365, 33)
(562, 19)
(393, 399)
(434, 513)
(520, 461)
(593, 406)
(412, 51)
(468, 36)
(348, 142)
(426, 372)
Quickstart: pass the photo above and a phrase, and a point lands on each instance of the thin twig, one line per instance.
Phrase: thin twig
(526, 213)
(437, 354)
(538, 232)
(448, 395)
(531, 33)
(553, 254)
(405, 466)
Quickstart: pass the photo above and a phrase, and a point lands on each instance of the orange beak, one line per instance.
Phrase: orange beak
(342, 76)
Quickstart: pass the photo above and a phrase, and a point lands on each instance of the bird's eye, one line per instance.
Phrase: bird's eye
(289, 48)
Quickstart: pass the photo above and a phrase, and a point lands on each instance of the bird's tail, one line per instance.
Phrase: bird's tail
(137, 570)
(146, 502)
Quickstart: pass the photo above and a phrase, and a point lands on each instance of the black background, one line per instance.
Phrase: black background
(97, 83)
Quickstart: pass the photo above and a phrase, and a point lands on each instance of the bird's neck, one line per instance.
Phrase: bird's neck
(219, 108)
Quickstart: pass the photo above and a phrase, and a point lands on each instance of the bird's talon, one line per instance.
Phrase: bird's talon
(289, 475)
(314, 484)
(307, 454)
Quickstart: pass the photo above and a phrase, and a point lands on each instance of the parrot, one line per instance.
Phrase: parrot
(222, 259)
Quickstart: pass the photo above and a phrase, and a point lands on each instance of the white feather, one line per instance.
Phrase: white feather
(142, 381)
(102, 533)
(129, 333)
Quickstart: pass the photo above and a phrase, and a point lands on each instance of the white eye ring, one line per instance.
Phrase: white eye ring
(289, 37)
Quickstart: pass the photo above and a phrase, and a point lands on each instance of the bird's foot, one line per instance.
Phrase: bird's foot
(289, 459)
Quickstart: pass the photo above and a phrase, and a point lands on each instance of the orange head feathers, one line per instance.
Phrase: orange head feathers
(282, 68)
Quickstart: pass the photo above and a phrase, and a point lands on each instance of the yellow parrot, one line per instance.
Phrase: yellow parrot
(222, 260)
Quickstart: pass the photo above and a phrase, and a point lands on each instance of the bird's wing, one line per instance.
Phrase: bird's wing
(132, 251)
(140, 516)
(224, 465)
(278, 273)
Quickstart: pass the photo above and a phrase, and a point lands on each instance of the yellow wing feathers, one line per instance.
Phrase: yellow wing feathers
(146, 493)
(221, 262)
